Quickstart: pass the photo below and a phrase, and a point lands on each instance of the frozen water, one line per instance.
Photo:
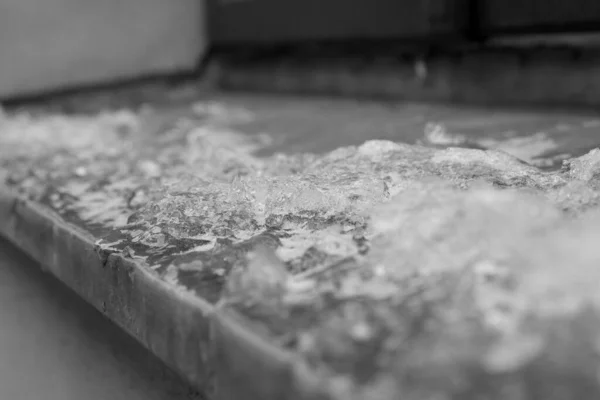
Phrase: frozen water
(574, 196)
(437, 134)
(479, 233)
(585, 167)
(82, 134)
(263, 279)
(432, 226)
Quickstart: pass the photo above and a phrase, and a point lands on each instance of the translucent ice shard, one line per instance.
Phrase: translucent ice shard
(434, 227)
(575, 196)
(261, 281)
(584, 168)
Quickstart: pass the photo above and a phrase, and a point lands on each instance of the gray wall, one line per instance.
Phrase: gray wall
(56, 44)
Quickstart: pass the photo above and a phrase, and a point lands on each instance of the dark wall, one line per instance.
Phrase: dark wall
(293, 21)
(539, 16)
(288, 21)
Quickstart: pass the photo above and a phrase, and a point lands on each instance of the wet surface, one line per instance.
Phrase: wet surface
(320, 125)
(55, 347)
(292, 124)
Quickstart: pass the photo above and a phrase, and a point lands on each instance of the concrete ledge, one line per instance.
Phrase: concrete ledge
(211, 350)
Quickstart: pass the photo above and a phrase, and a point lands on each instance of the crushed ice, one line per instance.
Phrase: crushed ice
(202, 182)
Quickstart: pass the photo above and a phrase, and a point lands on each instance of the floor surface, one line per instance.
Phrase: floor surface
(53, 346)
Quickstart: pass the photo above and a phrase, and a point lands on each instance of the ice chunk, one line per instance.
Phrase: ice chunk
(574, 196)
(496, 159)
(221, 112)
(376, 148)
(584, 168)
(193, 207)
(513, 352)
(149, 168)
(530, 149)
(308, 196)
(433, 227)
(261, 280)
(437, 134)
(331, 241)
(563, 267)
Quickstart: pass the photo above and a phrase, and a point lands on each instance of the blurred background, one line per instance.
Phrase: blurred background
(55, 44)
(60, 44)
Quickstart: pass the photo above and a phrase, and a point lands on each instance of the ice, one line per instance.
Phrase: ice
(510, 257)
(564, 267)
(285, 165)
(523, 255)
(332, 241)
(370, 173)
(437, 134)
(530, 149)
(82, 134)
(513, 352)
(203, 205)
(502, 161)
(292, 196)
(307, 195)
(479, 238)
(193, 207)
(584, 168)
(219, 112)
(374, 149)
(149, 168)
(574, 196)
(262, 279)
(434, 227)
